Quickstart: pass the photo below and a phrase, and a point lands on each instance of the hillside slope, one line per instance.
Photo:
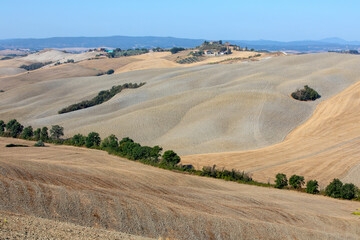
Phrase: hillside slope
(94, 189)
(201, 109)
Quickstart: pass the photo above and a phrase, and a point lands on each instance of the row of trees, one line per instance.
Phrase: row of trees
(14, 129)
(335, 189)
(102, 97)
(34, 66)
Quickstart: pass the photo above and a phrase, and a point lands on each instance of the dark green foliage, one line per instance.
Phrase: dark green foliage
(306, 94)
(296, 181)
(39, 144)
(14, 128)
(312, 187)
(232, 175)
(34, 66)
(27, 133)
(92, 140)
(281, 180)
(15, 145)
(124, 140)
(56, 132)
(2, 90)
(348, 191)
(2, 127)
(78, 140)
(44, 135)
(176, 50)
(171, 157)
(70, 61)
(123, 53)
(102, 96)
(110, 142)
(334, 189)
(37, 134)
(110, 71)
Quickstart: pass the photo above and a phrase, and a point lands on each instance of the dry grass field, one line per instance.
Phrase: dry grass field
(93, 189)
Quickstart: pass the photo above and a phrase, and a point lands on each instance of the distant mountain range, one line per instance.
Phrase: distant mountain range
(125, 42)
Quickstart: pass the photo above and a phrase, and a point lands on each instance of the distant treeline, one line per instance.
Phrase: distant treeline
(34, 66)
(102, 96)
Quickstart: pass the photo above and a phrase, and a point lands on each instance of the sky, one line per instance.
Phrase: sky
(281, 20)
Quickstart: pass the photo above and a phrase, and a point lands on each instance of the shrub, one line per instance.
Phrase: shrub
(78, 140)
(110, 71)
(56, 132)
(312, 187)
(110, 142)
(70, 61)
(348, 191)
(27, 133)
(2, 127)
(92, 140)
(281, 180)
(37, 133)
(14, 128)
(176, 50)
(334, 189)
(44, 135)
(296, 181)
(171, 157)
(39, 144)
(306, 94)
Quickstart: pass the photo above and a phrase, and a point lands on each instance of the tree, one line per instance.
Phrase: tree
(171, 157)
(110, 142)
(56, 132)
(176, 50)
(78, 140)
(348, 191)
(312, 187)
(2, 127)
(44, 136)
(14, 128)
(296, 181)
(281, 180)
(110, 71)
(27, 133)
(92, 140)
(155, 153)
(37, 134)
(334, 188)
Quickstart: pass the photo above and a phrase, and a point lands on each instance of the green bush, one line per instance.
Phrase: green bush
(39, 144)
(44, 135)
(296, 181)
(348, 191)
(93, 140)
(281, 180)
(37, 133)
(176, 50)
(110, 142)
(27, 133)
(312, 187)
(306, 94)
(110, 71)
(14, 128)
(78, 140)
(334, 189)
(171, 157)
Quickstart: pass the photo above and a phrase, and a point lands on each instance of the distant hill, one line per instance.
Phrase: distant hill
(125, 42)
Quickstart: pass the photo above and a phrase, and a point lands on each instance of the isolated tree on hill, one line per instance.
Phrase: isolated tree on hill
(312, 187)
(334, 189)
(171, 157)
(27, 133)
(44, 135)
(56, 132)
(92, 140)
(37, 134)
(296, 181)
(281, 180)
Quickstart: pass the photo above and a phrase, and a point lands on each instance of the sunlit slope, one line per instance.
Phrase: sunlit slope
(203, 109)
(94, 189)
(326, 146)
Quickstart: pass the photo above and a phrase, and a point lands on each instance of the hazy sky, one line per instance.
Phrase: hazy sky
(283, 20)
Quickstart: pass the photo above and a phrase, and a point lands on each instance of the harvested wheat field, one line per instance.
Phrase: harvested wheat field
(201, 109)
(93, 189)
